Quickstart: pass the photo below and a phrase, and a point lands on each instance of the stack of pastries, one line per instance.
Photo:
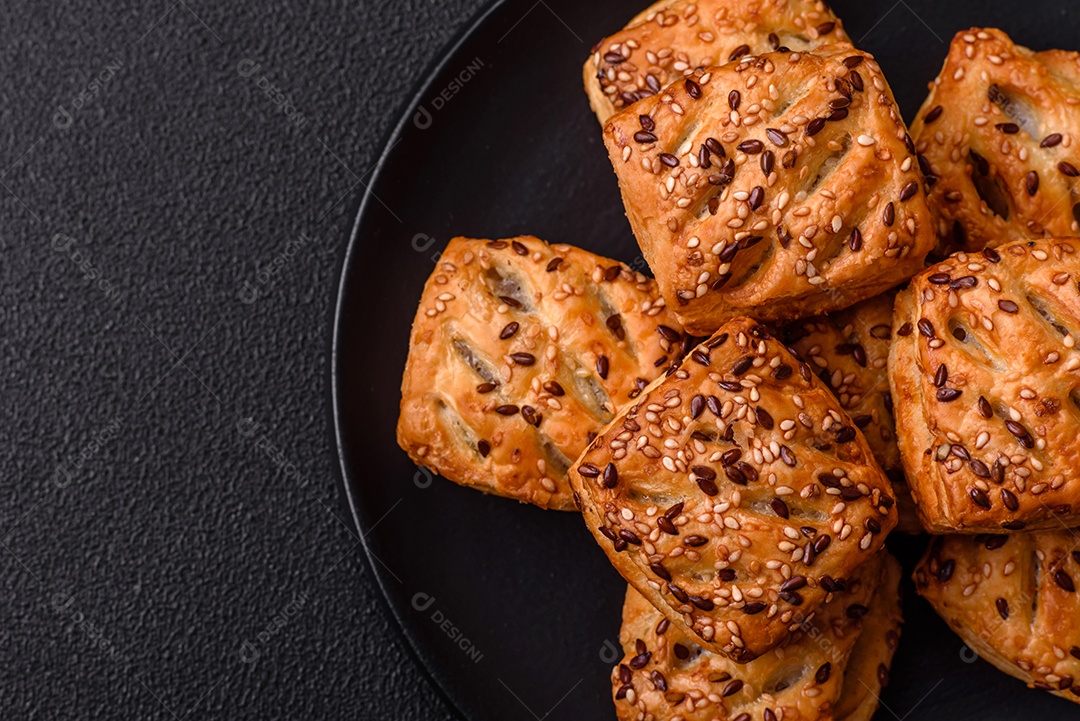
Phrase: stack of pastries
(851, 328)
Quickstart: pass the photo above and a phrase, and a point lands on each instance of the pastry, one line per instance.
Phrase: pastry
(735, 493)
(831, 667)
(779, 186)
(1013, 600)
(996, 137)
(519, 353)
(668, 40)
(867, 672)
(849, 352)
(986, 383)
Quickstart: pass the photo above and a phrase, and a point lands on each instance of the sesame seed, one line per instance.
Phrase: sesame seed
(947, 395)
(738, 53)
(757, 196)
(750, 147)
(523, 359)
(1031, 182)
(1064, 581)
(777, 137)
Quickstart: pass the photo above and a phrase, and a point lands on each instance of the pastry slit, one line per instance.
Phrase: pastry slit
(1015, 106)
(471, 357)
(1074, 401)
(556, 459)
(590, 393)
(753, 266)
(694, 652)
(1036, 573)
(659, 500)
(829, 163)
(989, 186)
(787, 101)
(505, 282)
(607, 312)
(784, 677)
(833, 248)
(558, 463)
(1051, 319)
(686, 141)
(701, 210)
(1074, 396)
(794, 41)
(973, 345)
(456, 426)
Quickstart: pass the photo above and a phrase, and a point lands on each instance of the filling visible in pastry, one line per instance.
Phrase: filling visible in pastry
(520, 352)
(996, 140)
(1013, 599)
(832, 666)
(778, 186)
(985, 372)
(735, 493)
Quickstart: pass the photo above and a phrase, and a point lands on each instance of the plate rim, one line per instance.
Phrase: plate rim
(421, 87)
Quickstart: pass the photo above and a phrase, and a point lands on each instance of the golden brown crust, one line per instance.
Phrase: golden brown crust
(985, 380)
(1013, 600)
(670, 39)
(998, 125)
(849, 351)
(519, 351)
(735, 492)
(868, 666)
(831, 667)
(780, 186)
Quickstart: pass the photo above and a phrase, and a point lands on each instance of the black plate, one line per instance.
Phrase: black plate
(514, 611)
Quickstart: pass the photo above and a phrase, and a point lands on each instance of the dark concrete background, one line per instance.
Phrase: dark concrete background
(178, 181)
(172, 541)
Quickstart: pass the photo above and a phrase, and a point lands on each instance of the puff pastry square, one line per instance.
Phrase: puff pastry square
(668, 40)
(832, 667)
(519, 353)
(735, 493)
(986, 383)
(778, 186)
(849, 352)
(998, 137)
(1013, 600)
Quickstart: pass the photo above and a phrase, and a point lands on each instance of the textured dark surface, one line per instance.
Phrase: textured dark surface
(179, 537)
(172, 541)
